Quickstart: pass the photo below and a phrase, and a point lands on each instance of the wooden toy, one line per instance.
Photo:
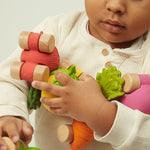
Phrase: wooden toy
(10, 144)
(78, 134)
(18, 146)
(136, 88)
(39, 57)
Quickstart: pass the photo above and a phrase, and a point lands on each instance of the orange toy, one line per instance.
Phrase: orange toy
(39, 57)
(78, 134)
(18, 146)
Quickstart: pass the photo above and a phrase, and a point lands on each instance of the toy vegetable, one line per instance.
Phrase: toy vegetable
(38, 58)
(78, 134)
(137, 88)
(10, 144)
(21, 147)
(135, 95)
(81, 133)
(18, 146)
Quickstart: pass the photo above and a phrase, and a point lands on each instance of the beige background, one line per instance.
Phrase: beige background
(18, 15)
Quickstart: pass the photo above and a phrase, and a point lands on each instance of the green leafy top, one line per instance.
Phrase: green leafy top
(35, 94)
(34, 98)
(71, 72)
(21, 147)
(110, 82)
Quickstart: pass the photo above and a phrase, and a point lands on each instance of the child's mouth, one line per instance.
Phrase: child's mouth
(112, 26)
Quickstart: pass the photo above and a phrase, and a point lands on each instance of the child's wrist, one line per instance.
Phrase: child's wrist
(109, 113)
(104, 119)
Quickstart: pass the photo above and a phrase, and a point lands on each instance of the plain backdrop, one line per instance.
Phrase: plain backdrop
(19, 15)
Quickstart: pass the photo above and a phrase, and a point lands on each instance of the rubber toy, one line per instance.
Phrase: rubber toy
(78, 134)
(131, 90)
(17, 146)
(21, 147)
(38, 58)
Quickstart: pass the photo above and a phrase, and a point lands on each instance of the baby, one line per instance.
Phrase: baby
(109, 32)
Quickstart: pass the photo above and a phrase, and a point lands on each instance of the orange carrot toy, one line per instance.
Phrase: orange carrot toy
(113, 86)
(78, 134)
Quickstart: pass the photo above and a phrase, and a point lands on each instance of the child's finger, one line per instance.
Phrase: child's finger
(12, 132)
(51, 102)
(48, 87)
(58, 111)
(84, 77)
(27, 132)
(63, 78)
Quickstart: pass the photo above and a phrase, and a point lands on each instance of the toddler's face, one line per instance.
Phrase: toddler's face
(118, 21)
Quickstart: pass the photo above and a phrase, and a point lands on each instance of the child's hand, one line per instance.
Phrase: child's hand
(74, 98)
(16, 129)
(82, 100)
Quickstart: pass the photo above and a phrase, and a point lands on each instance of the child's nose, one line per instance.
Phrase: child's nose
(116, 6)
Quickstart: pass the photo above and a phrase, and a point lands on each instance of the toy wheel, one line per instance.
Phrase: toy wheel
(132, 82)
(23, 39)
(65, 133)
(10, 144)
(41, 73)
(15, 70)
(46, 43)
(64, 64)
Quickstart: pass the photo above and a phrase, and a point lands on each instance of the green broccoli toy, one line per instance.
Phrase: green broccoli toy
(110, 82)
